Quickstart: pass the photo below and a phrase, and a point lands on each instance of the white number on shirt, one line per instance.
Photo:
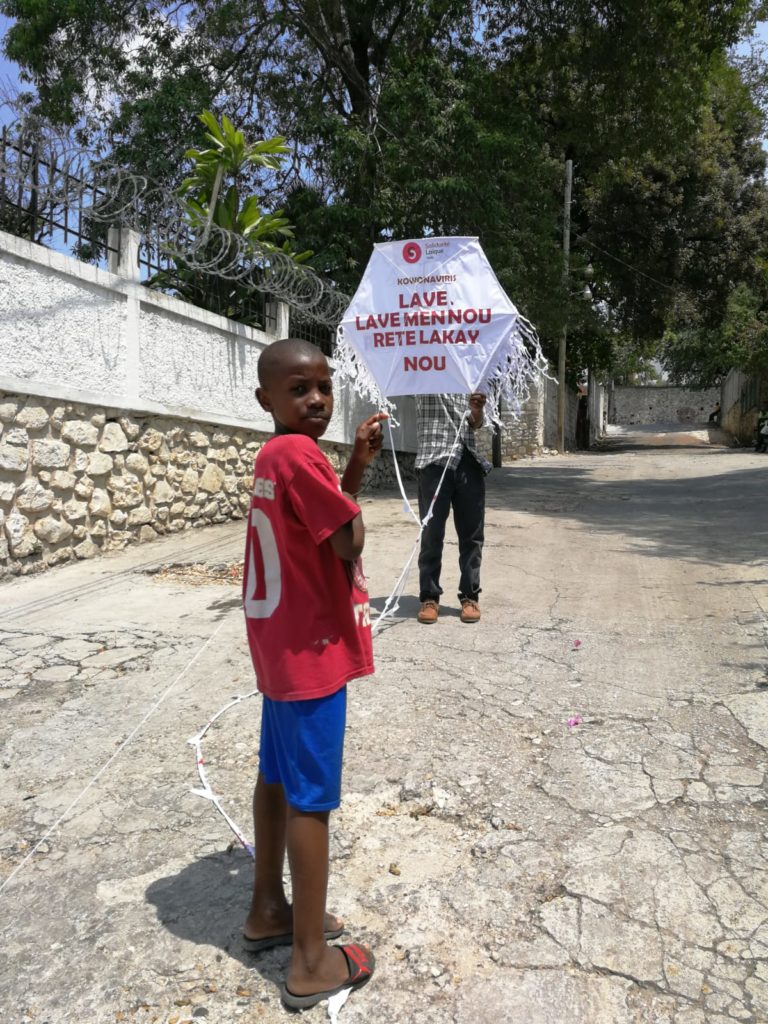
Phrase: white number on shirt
(271, 586)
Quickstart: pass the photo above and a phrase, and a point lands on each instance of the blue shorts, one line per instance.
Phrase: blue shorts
(302, 745)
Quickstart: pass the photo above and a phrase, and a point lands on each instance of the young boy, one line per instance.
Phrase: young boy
(309, 633)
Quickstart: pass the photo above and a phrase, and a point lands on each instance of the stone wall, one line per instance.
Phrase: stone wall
(520, 437)
(534, 432)
(646, 405)
(126, 413)
(549, 399)
(76, 480)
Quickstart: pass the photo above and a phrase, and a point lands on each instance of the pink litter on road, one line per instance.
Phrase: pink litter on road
(576, 645)
(574, 721)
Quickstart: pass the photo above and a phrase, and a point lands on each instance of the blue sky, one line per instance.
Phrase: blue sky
(9, 73)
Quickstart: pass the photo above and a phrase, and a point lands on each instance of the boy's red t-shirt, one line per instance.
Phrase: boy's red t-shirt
(306, 610)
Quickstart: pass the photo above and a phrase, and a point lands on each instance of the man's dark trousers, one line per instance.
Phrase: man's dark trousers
(463, 489)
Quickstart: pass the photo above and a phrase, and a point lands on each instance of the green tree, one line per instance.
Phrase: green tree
(212, 198)
(744, 331)
(413, 116)
(703, 356)
(707, 245)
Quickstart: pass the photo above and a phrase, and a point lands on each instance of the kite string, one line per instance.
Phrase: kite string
(206, 791)
(406, 503)
(391, 605)
(112, 758)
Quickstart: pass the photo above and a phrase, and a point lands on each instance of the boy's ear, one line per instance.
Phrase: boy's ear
(262, 397)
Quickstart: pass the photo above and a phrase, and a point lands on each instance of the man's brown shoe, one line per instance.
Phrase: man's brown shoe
(428, 612)
(470, 610)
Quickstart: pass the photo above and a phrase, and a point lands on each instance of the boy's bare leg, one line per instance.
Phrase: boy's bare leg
(270, 912)
(315, 966)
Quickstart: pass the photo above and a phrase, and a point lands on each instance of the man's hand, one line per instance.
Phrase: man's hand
(476, 404)
(369, 438)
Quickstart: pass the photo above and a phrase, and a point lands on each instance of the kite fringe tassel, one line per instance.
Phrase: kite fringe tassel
(520, 368)
(350, 368)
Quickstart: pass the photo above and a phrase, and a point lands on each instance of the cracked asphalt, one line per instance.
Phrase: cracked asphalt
(555, 816)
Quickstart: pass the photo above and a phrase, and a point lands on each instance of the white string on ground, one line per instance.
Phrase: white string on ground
(392, 603)
(111, 759)
(206, 791)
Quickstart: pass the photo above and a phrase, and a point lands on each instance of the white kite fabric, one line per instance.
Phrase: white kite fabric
(430, 317)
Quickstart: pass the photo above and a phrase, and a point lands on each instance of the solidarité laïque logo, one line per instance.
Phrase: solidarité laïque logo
(411, 252)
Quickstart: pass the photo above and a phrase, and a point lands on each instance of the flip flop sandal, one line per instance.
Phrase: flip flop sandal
(360, 964)
(273, 941)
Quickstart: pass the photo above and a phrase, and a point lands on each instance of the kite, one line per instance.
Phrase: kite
(430, 317)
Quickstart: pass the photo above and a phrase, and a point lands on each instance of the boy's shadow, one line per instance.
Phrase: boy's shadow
(206, 903)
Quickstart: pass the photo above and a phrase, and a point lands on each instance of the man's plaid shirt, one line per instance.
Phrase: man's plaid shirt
(437, 420)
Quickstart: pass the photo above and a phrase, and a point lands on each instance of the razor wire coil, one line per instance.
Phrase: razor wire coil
(43, 169)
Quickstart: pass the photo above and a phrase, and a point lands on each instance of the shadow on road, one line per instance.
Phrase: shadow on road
(206, 903)
(718, 516)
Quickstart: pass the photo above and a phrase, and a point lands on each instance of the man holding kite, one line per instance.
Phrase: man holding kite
(431, 319)
(440, 418)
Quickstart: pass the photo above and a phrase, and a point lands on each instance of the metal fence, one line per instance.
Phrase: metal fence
(44, 202)
(28, 207)
(310, 330)
(750, 395)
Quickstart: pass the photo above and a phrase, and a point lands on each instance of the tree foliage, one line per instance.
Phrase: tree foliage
(415, 116)
(212, 198)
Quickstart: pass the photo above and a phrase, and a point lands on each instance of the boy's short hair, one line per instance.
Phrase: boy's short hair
(278, 355)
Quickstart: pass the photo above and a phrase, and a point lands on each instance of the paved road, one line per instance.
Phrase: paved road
(665, 435)
(507, 866)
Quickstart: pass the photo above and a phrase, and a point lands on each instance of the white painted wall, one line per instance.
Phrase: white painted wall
(72, 331)
(54, 325)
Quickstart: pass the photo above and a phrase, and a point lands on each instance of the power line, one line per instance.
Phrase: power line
(635, 270)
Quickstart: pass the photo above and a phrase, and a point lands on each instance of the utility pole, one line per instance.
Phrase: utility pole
(561, 406)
